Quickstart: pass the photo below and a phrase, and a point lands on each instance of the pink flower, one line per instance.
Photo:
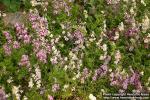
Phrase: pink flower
(54, 60)
(24, 61)
(50, 97)
(22, 33)
(125, 83)
(2, 95)
(16, 45)
(26, 38)
(8, 36)
(79, 36)
(94, 78)
(48, 48)
(42, 55)
(39, 24)
(36, 45)
(55, 87)
(7, 49)
(114, 82)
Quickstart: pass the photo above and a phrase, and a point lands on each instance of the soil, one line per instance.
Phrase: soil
(11, 18)
(2, 7)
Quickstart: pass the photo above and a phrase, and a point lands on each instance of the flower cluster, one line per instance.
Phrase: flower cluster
(55, 87)
(22, 33)
(7, 49)
(123, 81)
(112, 1)
(61, 5)
(39, 24)
(100, 72)
(41, 46)
(24, 61)
(85, 75)
(6, 46)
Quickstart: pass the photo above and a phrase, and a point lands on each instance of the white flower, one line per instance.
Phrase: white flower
(102, 90)
(66, 67)
(9, 80)
(125, 0)
(110, 70)
(15, 91)
(63, 32)
(25, 98)
(142, 2)
(51, 35)
(131, 10)
(53, 48)
(117, 57)
(70, 53)
(4, 14)
(104, 47)
(142, 73)
(121, 26)
(91, 97)
(38, 77)
(31, 83)
(148, 88)
(52, 40)
(74, 57)
(62, 26)
(85, 14)
(148, 35)
(116, 36)
(149, 79)
(65, 87)
(104, 22)
(55, 51)
(78, 75)
(145, 23)
(66, 38)
(65, 58)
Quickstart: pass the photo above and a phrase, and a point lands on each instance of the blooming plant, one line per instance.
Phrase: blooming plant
(74, 49)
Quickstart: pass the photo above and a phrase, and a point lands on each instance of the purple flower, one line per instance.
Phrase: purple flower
(100, 72)
(131, 32)
(111, 34)
(123, 81)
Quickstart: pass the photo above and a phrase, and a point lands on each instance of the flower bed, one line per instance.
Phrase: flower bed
(74, 49)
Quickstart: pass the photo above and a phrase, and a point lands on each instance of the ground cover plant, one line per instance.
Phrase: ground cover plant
(73, 49)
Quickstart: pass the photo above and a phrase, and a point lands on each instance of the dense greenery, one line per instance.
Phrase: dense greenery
(86, 43)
